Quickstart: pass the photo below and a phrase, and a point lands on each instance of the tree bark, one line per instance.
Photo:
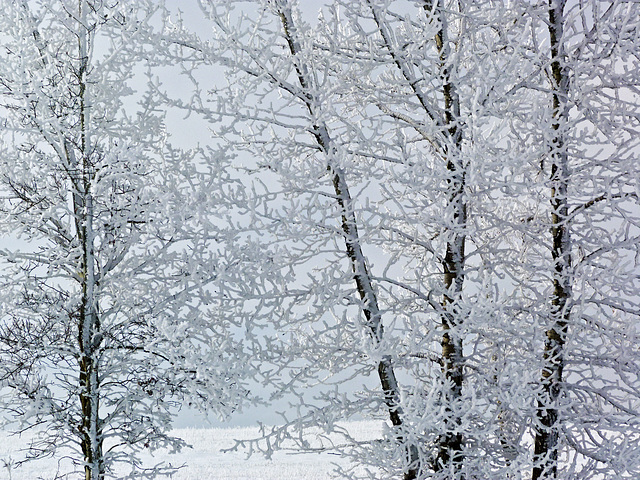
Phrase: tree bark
(88, 320)
(451, 444)
(450, 455)
(546, 444)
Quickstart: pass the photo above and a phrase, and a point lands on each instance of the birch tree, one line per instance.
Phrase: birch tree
(358, 262)
(407, 166)
(448, 144)
(593, 69)
(105, 328)
(582, 93)
(589, 160)
(436, 77)
(306, 206)
(547, 434)
(300, 101)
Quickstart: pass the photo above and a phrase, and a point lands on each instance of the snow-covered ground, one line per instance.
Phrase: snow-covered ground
(204, 461)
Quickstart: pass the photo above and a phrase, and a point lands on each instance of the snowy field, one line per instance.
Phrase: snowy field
(204, 461)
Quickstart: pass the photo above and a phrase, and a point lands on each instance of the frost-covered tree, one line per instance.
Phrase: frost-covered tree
(278, 105)
(552, 226)
(309, 94)
(449, 190)
(431, 77)
(355, 134)
(585, 121)
(440, 120)
(111, 312)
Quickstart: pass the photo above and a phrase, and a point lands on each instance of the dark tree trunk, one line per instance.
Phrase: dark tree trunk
(547, 422)
(361, 274)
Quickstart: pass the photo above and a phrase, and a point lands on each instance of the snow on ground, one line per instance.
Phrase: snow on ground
(204, 461)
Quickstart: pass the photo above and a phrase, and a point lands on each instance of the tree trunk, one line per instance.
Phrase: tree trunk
(361, 275)
(547, 423)
(450, 453)
(89, 342)
(451, 444)
(88, 320)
